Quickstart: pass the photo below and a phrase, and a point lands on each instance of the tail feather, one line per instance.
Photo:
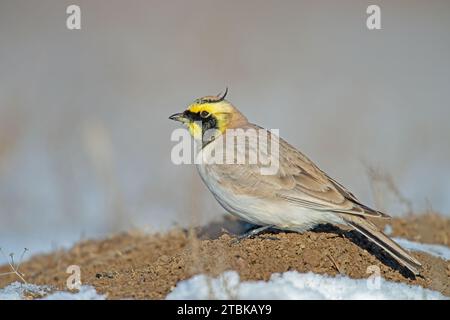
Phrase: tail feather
(372, 232)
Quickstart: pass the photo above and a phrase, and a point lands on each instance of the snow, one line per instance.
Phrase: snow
(19, 291)
(436, 250)
(288, 285)
(295, 285)
(85, 293)
(388, 229)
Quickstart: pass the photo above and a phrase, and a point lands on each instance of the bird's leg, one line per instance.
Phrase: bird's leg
(251, 233)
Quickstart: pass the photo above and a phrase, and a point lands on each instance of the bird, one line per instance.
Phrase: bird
(297, 196)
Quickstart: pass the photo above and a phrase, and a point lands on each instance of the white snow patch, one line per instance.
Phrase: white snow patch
(18, 291)
(388, 229)
(295, 285)
(436, 250)
(85, 293)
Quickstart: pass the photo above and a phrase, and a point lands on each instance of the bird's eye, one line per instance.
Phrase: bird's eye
(204, 114)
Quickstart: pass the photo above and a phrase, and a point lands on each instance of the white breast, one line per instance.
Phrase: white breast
(260, 211)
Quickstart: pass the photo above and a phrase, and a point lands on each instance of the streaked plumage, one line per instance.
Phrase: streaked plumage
(298, 197)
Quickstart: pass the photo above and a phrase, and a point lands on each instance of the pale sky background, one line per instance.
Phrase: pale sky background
(84, 135)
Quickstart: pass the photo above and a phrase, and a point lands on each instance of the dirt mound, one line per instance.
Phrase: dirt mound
(135, 265)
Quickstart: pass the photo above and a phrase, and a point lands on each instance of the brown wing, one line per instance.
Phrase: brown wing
(298, 181)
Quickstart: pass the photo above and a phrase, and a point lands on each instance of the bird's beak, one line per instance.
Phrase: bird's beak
(178, 117)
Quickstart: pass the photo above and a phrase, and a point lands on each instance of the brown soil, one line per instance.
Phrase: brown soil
(140, 266)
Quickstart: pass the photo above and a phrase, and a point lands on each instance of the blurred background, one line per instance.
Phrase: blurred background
(84, 135)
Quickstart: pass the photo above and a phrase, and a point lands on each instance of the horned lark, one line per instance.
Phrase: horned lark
(297, 197)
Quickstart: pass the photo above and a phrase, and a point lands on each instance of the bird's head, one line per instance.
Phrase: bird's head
(210, 113)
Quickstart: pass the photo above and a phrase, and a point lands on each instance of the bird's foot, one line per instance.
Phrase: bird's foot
(250, 234)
